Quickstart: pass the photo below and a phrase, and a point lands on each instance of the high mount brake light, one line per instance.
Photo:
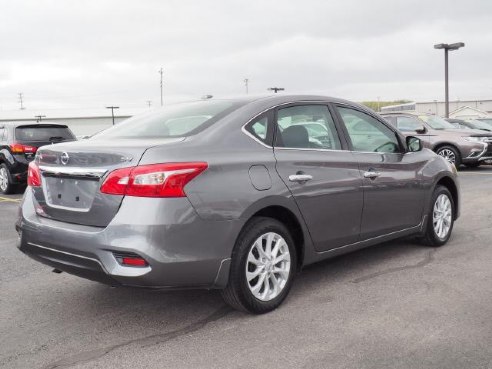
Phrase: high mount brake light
(33, 175)
(155, 180)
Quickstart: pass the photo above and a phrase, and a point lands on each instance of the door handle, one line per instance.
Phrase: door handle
(371, 174)
(300, 177)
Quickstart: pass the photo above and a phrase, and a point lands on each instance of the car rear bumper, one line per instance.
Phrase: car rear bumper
(182, 249)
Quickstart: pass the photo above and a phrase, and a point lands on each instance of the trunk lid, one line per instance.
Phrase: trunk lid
(72, 174)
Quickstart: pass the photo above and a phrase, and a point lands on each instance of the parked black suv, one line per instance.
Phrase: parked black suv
(18, 145)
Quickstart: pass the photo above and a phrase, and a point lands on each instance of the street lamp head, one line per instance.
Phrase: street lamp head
(454, 46)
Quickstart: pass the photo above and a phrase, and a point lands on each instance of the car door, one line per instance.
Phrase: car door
(321, 174)
(393, 190)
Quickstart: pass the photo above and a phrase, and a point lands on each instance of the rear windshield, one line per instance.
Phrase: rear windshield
(172, 121)
(43, 133)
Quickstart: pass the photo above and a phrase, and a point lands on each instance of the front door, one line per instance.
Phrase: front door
(321, 174)
(393, 192)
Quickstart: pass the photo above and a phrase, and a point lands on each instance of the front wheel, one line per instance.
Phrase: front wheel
(451, 154)
(441, 218)
(263, 267)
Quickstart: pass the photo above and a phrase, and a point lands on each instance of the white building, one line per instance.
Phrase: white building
(438, 107)
(81, 121)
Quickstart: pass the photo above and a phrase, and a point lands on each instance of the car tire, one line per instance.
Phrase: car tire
(442, 212)
(259, 294)
(6, 186)
(451, 154)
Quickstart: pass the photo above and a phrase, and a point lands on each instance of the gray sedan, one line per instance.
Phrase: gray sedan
(235, 194)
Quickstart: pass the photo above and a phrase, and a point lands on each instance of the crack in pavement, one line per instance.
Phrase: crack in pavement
(87, 356)
(429, 257)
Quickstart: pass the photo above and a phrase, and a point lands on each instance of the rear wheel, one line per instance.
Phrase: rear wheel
(6, 185)
(263, 267)
(441, 218)
(451, 154)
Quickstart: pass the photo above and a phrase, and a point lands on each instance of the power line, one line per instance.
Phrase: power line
(161, 72)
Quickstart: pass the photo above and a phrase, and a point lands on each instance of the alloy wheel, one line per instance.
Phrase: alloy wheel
(4, 179)
(442, 216)
(268, 266)
(448, 154)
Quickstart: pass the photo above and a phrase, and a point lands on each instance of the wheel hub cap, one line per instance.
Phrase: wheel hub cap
(3, 179)
(268, 266)
(448, 155)
(442, 216)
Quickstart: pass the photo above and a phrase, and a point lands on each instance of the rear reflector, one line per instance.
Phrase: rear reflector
(155, 180)
(131, 260)
(33, 175)
(17, 148)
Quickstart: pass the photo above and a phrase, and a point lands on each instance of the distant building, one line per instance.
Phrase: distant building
(81, 121)
(468, 109)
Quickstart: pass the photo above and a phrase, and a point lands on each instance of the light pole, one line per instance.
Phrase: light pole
(276, 89)
(112, 111)
(447, 47)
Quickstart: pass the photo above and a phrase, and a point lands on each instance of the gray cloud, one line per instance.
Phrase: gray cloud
(91, 53)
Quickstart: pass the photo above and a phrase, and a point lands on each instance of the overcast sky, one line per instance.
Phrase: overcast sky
(88, 54)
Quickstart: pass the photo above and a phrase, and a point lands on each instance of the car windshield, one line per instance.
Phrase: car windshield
(177, 120)
(436, 122)
(479, 125)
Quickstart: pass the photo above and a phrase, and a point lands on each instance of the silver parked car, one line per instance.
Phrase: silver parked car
(236, 195)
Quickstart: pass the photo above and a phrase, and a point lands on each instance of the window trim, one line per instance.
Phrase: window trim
(268, 142)
(402, 147)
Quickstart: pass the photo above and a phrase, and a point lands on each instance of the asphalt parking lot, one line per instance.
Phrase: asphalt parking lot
(396, 305)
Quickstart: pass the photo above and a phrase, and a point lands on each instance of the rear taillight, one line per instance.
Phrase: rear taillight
(33, 175)
(18, 148)
(155, 180)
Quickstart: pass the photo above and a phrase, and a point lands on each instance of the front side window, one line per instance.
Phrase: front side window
(368, 134)
(408, 124)
(306, 127)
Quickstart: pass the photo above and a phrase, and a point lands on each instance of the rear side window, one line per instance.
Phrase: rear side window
(306, 127)
(43, 133)
(258, 127)
(172, 121)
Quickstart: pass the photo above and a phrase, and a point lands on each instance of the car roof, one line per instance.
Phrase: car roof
(31, 123)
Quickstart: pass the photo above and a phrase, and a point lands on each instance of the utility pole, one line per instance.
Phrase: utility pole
(21, 100)
(246, 81)
(161, 72)
(276, 89)
(39, 117)
(149, 103)
(379, 103)
(112, 111)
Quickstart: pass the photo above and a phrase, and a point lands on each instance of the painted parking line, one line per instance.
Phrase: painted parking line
(6, 199)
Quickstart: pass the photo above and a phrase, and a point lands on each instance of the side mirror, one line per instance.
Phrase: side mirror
(421, 130)
(414, 144)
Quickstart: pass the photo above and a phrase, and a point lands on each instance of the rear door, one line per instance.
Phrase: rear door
(321, 174)
(393, 192)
